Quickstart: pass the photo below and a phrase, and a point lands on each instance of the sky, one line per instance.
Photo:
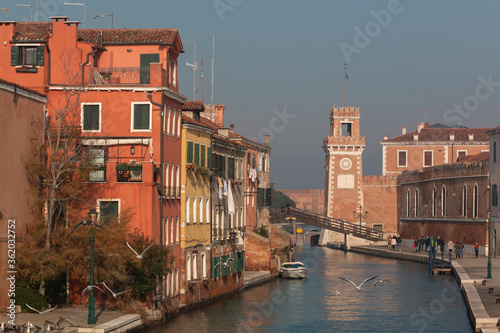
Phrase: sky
(279, 66)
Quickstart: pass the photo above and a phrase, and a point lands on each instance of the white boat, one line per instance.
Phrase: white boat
(293, 270)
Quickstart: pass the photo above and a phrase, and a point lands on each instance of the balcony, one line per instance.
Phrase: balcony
(152, 76)
(129, 173)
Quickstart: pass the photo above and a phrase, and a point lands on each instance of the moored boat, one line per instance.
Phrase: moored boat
(293, 270)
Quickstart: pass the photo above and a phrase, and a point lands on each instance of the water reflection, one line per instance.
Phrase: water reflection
(412, 302)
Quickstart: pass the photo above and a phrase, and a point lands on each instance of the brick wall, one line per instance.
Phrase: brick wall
(257, 252)
(312, 200)
(380, 200)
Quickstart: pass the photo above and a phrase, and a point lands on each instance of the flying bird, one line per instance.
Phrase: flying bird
(358, 288)
(41, 312)
(139, 256)
(208, 247)
(336, 293)
(90, 288)
(48, 326)
(224, 264)
(83, 222)
(381, 281)
(115, 295)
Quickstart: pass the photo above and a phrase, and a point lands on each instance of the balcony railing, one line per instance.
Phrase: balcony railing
(119, 75)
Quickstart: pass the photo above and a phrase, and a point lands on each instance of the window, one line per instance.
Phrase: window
(188, 267)
(464, 201)
(378, 226)
(209, 157)
(494, 195)
(97, 158)
(195, 267)
(108, 210)
(178, 233)
(171, 231)
(443, 201)
(141, 116)
(179, 125)
(188, 206)
(494, 151)
(194, 210)
(434, 201)
(427, 158)
(174, 73)
(165, 231)
(207, 210)
(416, 202)
(168, 120)
(408, 203)
(129, 173)
(263, 163)
(475, 202)
(230, 168)
(91, 117)
(190, 152)
(461, 154)
(176, 281)
(29, 55)
(402, 158)
(202, 158)
(173, 122)
(346, 129)
(197, 153)
(203, 265)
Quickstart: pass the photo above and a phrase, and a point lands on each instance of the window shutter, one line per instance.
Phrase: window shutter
(209, 157)
(14, 55)
(197, 153)
(141, 117)
(40, 58)
(190, 152)
(202, 155)
(90, 117)
(215, 271)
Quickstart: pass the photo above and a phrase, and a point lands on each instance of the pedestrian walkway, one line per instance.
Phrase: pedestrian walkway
(488, 292)
(77, 315)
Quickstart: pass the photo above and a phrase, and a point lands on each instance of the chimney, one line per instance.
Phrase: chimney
(452, 136)
(267, 139)
(219, 114)
(403, 130)
(386, 137)
(415, 137)
(420, 127)
(223, 131)
(231, 127)
(471, 136)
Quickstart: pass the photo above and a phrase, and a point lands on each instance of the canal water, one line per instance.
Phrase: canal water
(412, 301)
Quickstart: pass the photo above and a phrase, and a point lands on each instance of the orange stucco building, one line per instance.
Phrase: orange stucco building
(127, 108)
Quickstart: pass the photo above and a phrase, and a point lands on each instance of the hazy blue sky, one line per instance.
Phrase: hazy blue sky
(403, 57)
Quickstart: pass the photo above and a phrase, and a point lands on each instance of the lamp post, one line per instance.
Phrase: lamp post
(488, 220)
(360, 214)
(91, 317)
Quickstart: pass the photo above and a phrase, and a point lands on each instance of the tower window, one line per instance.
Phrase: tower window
(346, 129)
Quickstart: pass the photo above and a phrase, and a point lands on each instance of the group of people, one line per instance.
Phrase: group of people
(394, 242)
(423, 244)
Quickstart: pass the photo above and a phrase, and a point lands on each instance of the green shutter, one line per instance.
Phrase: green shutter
(189, 152)
(14, 55)
(40, 58)
(141, 117)
(197, 153)
(145, 60)
(91, 117)
(209, 157)
(234, 263)
(230, 167)
(202, 156)
(215, 270)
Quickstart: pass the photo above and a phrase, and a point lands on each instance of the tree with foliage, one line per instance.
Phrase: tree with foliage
(280, 200)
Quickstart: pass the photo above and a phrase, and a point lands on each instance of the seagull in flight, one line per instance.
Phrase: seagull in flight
(210, 246)
(83, 222)
(336, 293)
(89, 288)
(358, 288)
(115, 295)
(381, 281)
(139, 256)
(41, 312)
(224, 264)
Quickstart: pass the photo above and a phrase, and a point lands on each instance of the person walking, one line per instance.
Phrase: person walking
(450, 249)
(457, 250)
(415, 244)
(461, 247)
(440, 242)
(389, 241)
(393, 242)
(476, 249)
(398, 242)
(422, 244)
(427, 243)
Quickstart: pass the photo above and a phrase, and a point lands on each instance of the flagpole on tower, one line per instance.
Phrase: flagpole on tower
(345, 83)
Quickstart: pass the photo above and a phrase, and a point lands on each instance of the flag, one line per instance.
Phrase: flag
(347, 77)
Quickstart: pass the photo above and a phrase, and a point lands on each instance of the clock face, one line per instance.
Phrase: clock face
(345, 163)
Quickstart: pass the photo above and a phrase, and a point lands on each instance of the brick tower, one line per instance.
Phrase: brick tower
(343, 170)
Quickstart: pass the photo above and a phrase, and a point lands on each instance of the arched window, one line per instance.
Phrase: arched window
(408, 203)
(475, 201)
(416, 202)
(443, 201)
(434, 201)
(464, 201)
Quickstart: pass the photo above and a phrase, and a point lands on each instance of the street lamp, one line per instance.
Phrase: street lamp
(91, 318)
(360, 214)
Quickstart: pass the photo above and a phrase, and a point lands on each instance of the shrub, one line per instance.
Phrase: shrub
(32, 297)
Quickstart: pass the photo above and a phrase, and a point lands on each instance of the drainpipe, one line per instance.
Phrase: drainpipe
(86, 63)
(162, 164)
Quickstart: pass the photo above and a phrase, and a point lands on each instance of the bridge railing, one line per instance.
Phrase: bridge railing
(338, 225)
